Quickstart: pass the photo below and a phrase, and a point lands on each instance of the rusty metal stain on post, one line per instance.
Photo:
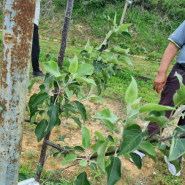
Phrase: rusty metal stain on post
(17, 40)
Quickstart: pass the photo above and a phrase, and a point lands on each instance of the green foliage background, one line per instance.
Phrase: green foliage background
(153, 20)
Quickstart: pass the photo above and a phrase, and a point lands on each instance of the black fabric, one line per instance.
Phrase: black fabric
(181, 66)
(35, 49)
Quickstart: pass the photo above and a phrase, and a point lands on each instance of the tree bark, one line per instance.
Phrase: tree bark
(42, 157)
(15, 64)
(69, 9)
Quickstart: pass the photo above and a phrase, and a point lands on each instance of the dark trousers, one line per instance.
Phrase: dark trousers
(169, 90)
(35, 49)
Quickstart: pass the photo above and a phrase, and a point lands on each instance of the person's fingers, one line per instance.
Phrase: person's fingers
(158, 87)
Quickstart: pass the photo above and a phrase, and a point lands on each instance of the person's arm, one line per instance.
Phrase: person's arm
(168, 56)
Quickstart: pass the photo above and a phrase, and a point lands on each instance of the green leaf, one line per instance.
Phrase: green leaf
(40, 130)
(131, 92)
(113, 171)
(109, 124)
(136, 104)
(179, 97)
(86, 138)
(69, 158)
(33, 111)
(93, 167)
(61, 138)
(52, 67)
(154, 107)
(42, 88)
(82, 179)
(30, 85)
(73, 65)
(97, 98)
(155, 116)
(48, 79)
(85, 69)
(98, 66)
(79, 149)
(101, 156)
(39, 98)
(131, 139)
(81, 109)
(39, 168)
(180, 129)
(84, 53)
(69, 94)
(124, 27)
(100, 136)
(126, 35)
(106, 115)
(105, 76)
(126, 59)
(110, 138)
(69, 107)
(113, 61)
(98, 85)
(57, 154)
(148, 149)
(53, 117)
(119, 50)
(177, 148)
(136, 159)
(22, 176)
(97, 145)
(88, 47)
(180, 79)
(83, 163)
(165, 150)
(86, 80)
(103, 46)
(77, 121)
(1, 107)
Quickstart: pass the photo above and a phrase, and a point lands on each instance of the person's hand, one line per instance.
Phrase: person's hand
(159, 82)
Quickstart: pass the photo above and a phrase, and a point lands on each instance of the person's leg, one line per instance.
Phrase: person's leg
(35, 49)
(36, 52)
(169, 90)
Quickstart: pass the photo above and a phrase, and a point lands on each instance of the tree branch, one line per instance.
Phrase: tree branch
(166, 138)
(28, 121)
(58, 172)
(57, 147)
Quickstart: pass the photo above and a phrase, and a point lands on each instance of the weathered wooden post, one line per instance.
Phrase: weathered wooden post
(124, 11)
(16, 53)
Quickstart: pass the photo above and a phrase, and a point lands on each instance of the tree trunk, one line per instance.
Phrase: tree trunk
(69, 9)
(42, 158)
(16, 55)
